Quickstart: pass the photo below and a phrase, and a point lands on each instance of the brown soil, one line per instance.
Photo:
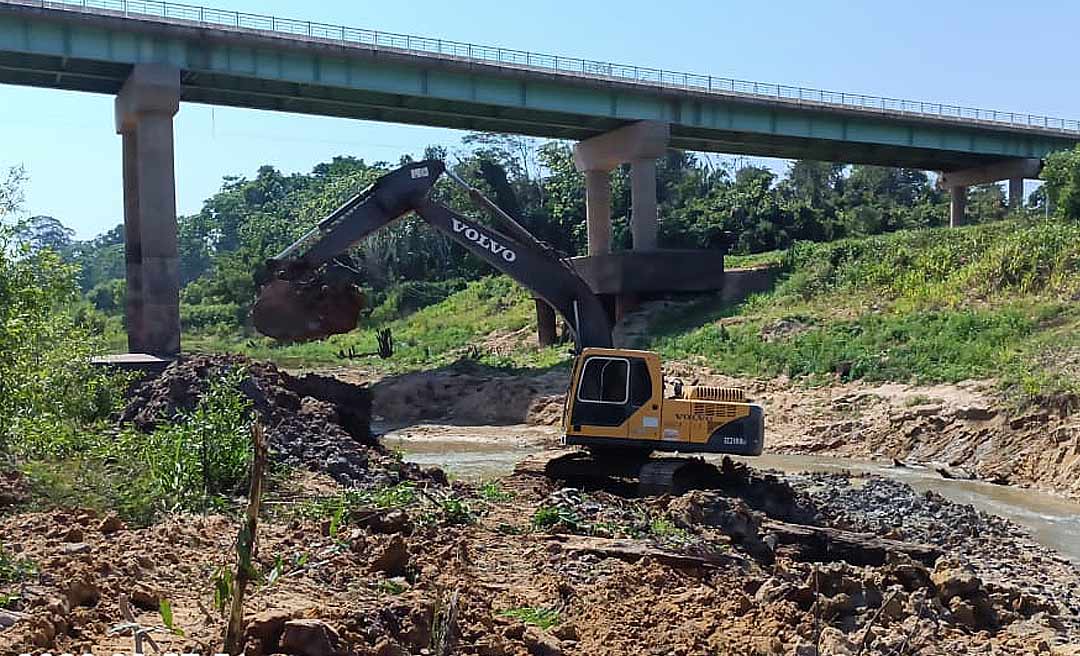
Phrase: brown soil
(461, 580)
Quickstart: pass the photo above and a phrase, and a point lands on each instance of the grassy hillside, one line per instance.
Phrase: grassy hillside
(929, 306)
(941, 305)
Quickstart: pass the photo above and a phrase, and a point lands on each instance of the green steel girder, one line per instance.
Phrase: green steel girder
(95, 53)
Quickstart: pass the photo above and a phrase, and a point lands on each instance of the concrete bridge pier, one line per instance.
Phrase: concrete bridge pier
(1016, 193)
(598, 210)
(1013, 170)
(145, 108)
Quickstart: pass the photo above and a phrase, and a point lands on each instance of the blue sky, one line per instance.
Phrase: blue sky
(982, 53)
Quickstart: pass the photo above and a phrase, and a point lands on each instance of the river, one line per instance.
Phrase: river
(480, 452)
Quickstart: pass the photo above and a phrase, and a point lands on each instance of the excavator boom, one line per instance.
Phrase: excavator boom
(299, 301)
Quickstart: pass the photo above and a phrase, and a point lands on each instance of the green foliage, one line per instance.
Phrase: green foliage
(456, 510)
(205, 455)
(47, 382)
(930, 306)
(14, 569)
(1062, 177)
(539, 616)
(166, 612)
(548, 517)
(493, 492)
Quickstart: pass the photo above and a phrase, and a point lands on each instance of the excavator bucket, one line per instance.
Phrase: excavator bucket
(299, 311)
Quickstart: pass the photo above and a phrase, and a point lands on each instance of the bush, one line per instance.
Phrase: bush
(47, 381)
(212, 317)
(205, 455)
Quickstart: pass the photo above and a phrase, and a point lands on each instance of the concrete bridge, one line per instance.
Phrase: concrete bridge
(154, 55)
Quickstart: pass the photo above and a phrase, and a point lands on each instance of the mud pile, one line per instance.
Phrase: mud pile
(312, 421)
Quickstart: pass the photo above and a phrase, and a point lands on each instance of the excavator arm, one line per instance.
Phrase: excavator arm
(299, 301)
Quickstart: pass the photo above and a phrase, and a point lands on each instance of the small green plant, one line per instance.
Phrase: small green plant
(222, 581)
(392, 586)
(166, 612)
(547, 517)
(538, 616)
(14, 569)
(493, 492)
(456, 511)
(396, 496)
(206, 455)
(9, 601)
(665, 528)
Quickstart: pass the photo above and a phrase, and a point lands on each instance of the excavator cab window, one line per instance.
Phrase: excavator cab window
(611, 389)
(605, 380)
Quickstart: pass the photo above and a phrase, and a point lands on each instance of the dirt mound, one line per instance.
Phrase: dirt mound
(312, 421)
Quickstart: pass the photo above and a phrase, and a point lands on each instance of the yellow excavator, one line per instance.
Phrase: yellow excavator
(616, 406)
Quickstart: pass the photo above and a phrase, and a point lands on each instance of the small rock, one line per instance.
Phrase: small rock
(266, 627)
(388, 648)
(145, 597)
(834, 643)
(954, 580)
(394, 558)
(111, 524)
(541, 644)
(74, 534)
(565, 632)
(804, 649)
(311, 638)
(9, 618)
(394, 521)
(82, 593)
(76, 548)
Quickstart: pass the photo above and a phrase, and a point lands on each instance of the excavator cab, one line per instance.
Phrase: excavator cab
(616, 401)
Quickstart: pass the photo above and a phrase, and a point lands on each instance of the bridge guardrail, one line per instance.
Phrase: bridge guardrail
(223, 19)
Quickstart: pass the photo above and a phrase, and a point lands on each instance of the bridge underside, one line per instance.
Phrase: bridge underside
(304, 98)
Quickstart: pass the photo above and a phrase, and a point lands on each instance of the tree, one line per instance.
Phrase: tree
(41, 232)
(1062, 177)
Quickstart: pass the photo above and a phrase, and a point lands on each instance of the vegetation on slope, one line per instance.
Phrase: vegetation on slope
(936, 305)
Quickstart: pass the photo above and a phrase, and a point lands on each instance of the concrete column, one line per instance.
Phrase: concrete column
(956, 207)
(643, 218)
(598, 211)
(545, 323)
(1016, 193)
(145, 108)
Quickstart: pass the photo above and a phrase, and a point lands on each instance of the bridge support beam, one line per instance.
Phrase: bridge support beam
(145, 108)
(644, 222)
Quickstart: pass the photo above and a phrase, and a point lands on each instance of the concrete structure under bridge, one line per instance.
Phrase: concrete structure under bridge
(154, 56)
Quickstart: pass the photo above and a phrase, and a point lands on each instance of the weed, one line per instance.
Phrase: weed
(539, 616)
(166, 613)
(547, 517)
(396, 496)
(222, 582)
(492, 491)
(14, 569)
(456, 511)
(393, 586)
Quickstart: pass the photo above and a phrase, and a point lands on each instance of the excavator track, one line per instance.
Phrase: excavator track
(631, 475)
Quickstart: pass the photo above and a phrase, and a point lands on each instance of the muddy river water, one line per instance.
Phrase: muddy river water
(478, 452)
